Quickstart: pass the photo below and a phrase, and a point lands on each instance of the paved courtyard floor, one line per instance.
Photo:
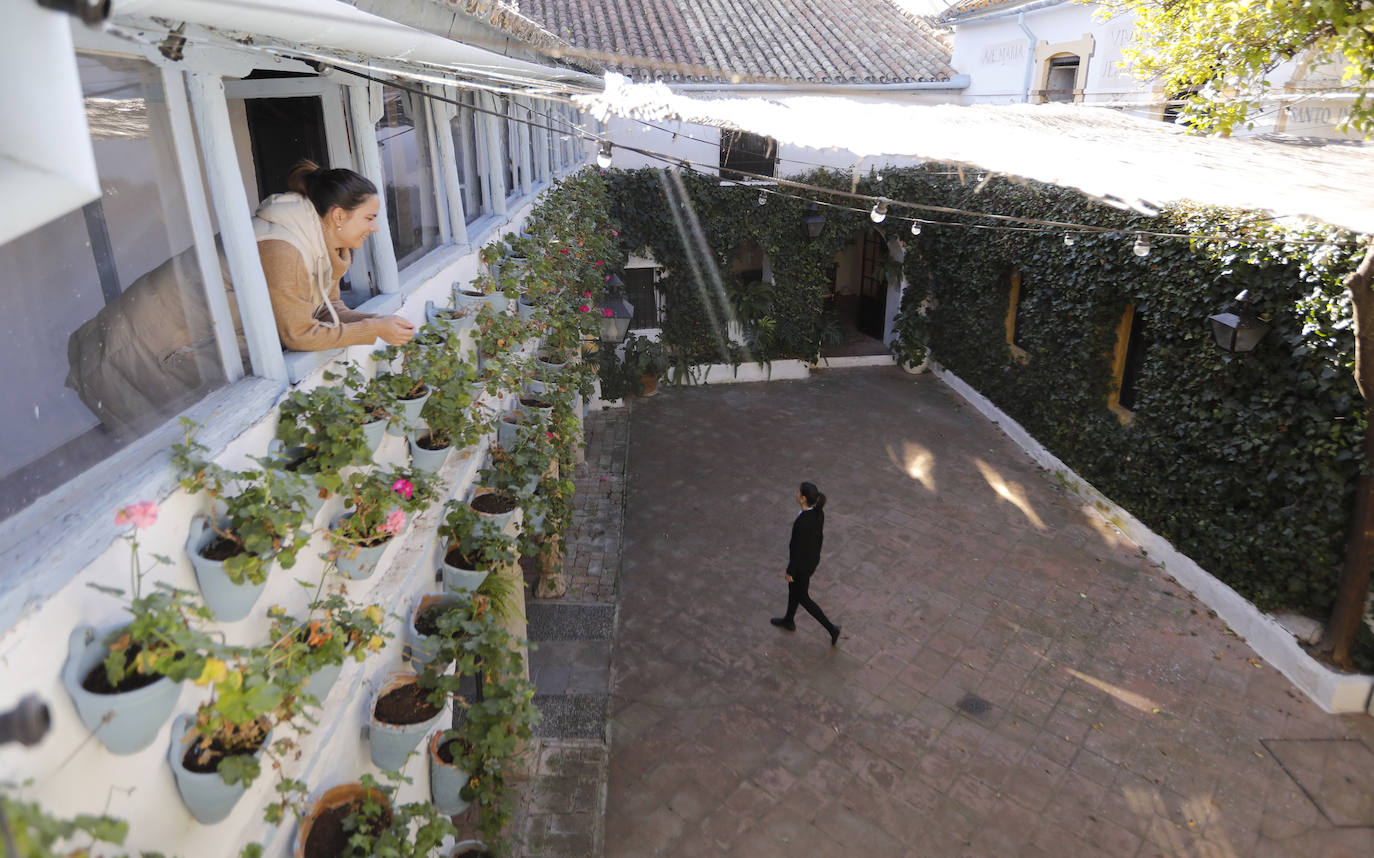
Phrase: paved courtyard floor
(1014, 678)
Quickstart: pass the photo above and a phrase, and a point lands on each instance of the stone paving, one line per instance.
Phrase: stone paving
(562, 805)
(1014, 678)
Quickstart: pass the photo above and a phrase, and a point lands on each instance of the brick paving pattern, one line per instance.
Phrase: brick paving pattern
(593, 547)
(1014, 678)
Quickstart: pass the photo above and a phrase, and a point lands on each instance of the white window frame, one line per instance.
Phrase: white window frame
(495, 167)
(77, 517)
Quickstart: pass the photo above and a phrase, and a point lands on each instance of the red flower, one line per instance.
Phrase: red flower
(607, 312)
(584, 309)
(587, 294)
(564, 250)
(598, 263)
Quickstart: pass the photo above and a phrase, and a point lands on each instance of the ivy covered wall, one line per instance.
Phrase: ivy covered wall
(1246, 462)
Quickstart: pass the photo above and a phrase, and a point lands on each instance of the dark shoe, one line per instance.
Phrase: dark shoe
(834, 635)
(784, 623)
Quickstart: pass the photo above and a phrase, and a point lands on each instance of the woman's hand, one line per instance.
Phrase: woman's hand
(788, 577)
(395, 330)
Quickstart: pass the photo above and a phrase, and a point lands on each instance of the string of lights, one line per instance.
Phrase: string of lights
(878, 207)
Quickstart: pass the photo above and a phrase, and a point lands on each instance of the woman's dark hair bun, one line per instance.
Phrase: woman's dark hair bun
(298, 180)
(814, 497)
(328, 189)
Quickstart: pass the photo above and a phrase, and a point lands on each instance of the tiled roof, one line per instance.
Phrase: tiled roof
(973, 8)
(819, 41)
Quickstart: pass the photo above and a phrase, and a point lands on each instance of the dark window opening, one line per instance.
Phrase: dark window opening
(1020, 321)
(750, 153)
(1137, 344)
(640, 291)
(283, 131)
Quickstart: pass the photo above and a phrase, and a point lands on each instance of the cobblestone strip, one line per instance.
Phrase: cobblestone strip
(592, 562)
(562, 811)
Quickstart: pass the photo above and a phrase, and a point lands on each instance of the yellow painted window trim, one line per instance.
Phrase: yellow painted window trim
(1123, 339)
(1018, 354)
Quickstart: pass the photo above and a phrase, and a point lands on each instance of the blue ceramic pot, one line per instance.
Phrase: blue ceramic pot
(205, 794)
(126, 722)
(391, 744)
(446, 781)
(229, 602)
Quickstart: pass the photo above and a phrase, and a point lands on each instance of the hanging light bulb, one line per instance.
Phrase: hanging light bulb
(879, 213)
(1069, 239)
(603, 157)
(1142, 245)
(763, 198)
(915, 227)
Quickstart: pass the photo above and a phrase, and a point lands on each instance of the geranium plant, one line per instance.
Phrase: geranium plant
(261, 522)
(379, 504)
(323, 432)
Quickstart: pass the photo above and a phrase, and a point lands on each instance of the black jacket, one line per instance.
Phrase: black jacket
(804, 549)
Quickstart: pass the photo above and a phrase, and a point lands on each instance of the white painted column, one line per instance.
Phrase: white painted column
(211, 113)
(365, 119)
(444, 114)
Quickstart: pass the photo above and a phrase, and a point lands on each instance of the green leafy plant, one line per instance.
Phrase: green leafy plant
(263, 521)
(412, 830)
(378, 505)
(39, 834)
(323, 432)
(484, 547)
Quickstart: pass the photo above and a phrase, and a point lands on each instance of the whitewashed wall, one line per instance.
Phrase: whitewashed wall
(993, 54)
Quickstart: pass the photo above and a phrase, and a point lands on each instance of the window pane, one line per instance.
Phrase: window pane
(109, 330)
(411, 210)
(470, 150)
(751, 153)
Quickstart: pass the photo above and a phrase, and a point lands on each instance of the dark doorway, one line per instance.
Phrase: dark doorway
(640, 292)
(283, 131)
(873, 286)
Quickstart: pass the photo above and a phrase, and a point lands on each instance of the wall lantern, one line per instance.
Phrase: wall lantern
(1238, 331)
(616, 313)
(814, 222)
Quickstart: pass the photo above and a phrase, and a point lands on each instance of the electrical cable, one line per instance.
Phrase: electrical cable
(321, 63)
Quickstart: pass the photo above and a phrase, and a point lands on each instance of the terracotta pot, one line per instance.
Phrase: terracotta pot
(333, 797)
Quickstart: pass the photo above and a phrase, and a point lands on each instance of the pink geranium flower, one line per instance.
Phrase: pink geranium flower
(588, 294)
(395, 521)
(598, 263)
(584, 309)
(564, 250)
(403, 487)
(140, 515)
(615, 232)
(607, 312)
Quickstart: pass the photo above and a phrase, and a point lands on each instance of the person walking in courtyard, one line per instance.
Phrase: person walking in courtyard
(803, 556)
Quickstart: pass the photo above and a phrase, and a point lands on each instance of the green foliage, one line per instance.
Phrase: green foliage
(378, 505)
(693, 226)
(38, 834)
(500, 718)
(265, 518)
(324, 429)
(1247, 463)
(160, 639)
(1227, 50)
(384, 829)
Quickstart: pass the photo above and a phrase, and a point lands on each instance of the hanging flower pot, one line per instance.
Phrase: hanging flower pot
(373, 430)
(525, 307)
(426, 452)
(446, 780)
(198, 781)
(321, 682)
(126, 719)
(421, 634)
(228, 601)
(552, 361)
(355, 561)
(321, 833)
(508, 429)
(499, 302)
(496, 508)
(290, 459)
(469, 300)
(410, 413)
(471, 849)
(459, 574)
(398, 719)
(455, 318)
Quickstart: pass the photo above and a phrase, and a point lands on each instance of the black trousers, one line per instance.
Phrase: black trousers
(798, 595)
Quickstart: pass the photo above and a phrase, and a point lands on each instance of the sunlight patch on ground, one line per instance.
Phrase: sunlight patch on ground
(1200, 834)
(1014, 493)
(1130, 698)
(1112, 537)
(916, 462)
